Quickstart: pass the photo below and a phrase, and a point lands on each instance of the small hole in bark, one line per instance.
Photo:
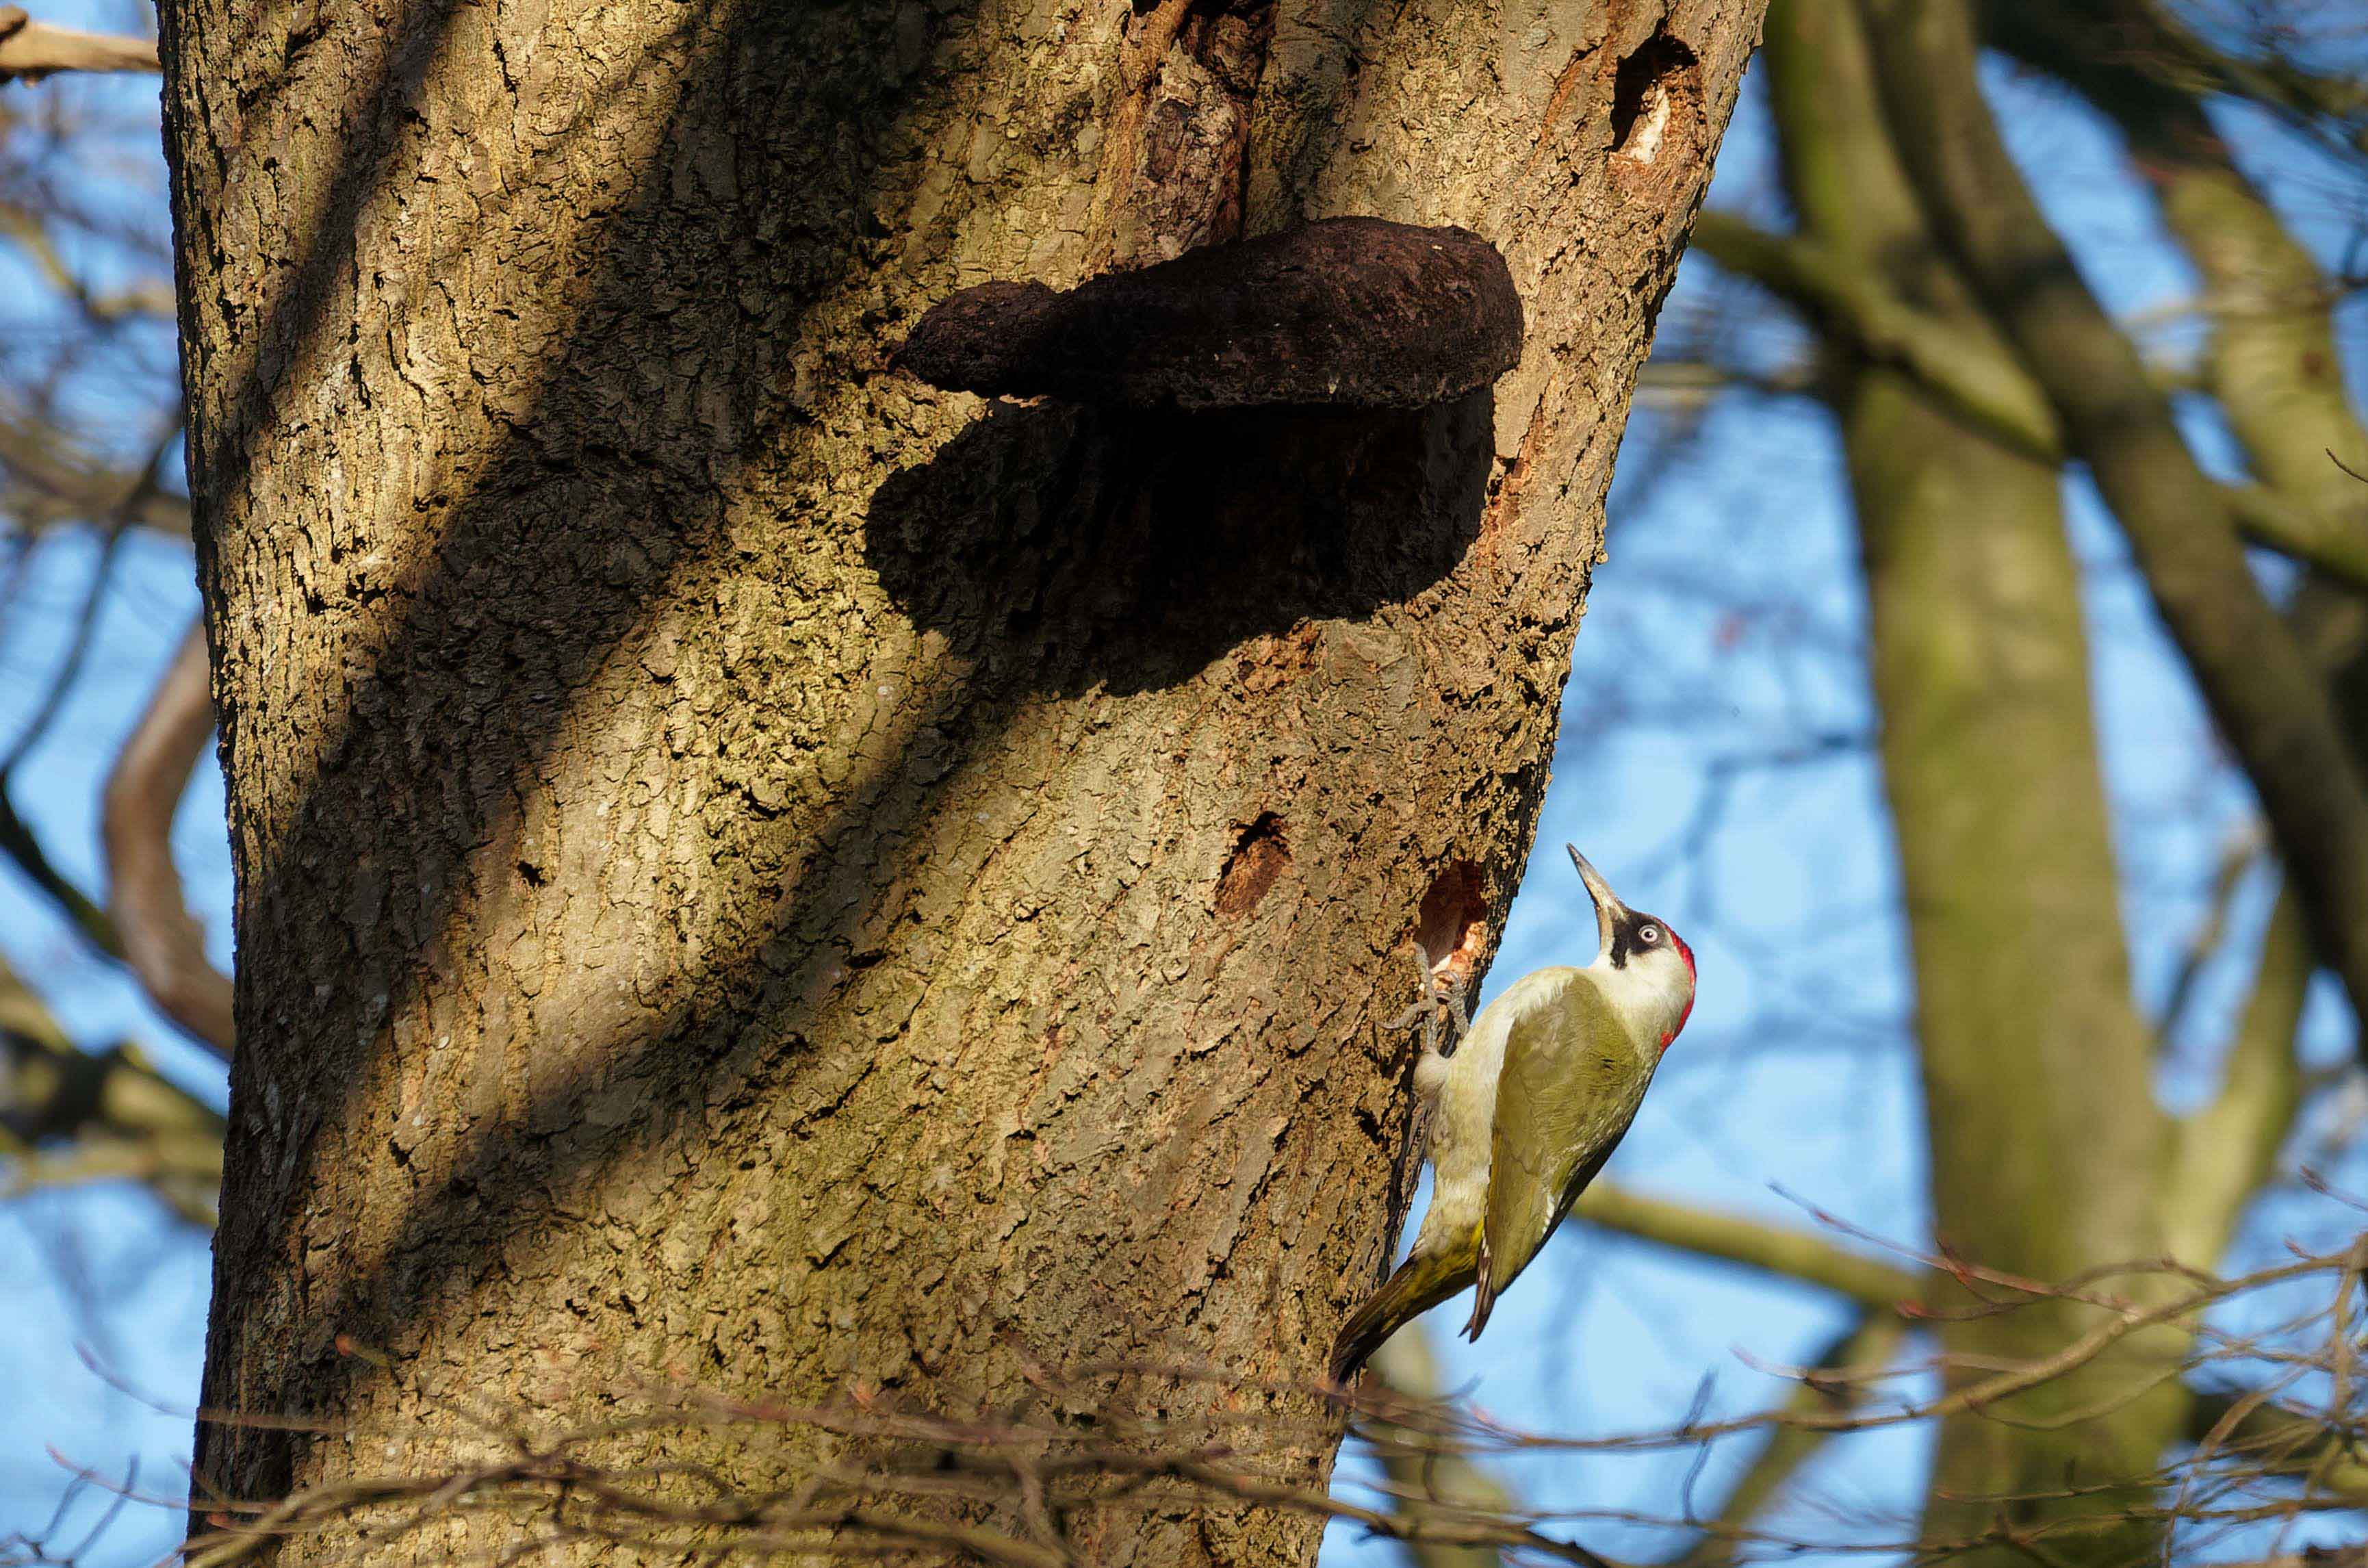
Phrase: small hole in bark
(1259, 856)
(531, 872)
(1453, 920)
(1651, 90)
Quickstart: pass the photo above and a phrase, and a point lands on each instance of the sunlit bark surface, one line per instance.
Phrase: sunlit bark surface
(757, 873)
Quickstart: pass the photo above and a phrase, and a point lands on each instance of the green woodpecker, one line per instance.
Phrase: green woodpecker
(1525, 1112)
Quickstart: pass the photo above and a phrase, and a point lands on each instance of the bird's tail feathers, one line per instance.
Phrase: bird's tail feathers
(1484, 1290)
(1419, 1284)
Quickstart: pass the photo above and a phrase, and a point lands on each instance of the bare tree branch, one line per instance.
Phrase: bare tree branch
(1795, 1254)
(1855, 1358)
(163, 942)
(2268, 701)
(2243, 852)
(2146, 39)
(31, 49)
(2260, 1432)
(871, 1473)
(17, 842)
(2225, 1152)
(68, 670)
(1428, 1473)
(1983, 381)
(2336, 544)
(55, 484)
(2271, 358)
(1980, 378)
(30, 229)
(68, 1116)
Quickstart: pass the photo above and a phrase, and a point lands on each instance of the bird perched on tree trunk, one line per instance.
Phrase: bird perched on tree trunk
(1525, 1112)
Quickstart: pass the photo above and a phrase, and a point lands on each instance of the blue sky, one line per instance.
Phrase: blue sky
(1725, 626)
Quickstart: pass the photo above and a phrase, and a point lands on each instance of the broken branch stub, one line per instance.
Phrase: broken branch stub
(1347, 312)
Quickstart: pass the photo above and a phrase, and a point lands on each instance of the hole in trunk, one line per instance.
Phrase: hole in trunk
(1453, 923)
(1259, 856)
(1652, 89)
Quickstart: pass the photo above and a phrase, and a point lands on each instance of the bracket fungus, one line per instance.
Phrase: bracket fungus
(1345, 312)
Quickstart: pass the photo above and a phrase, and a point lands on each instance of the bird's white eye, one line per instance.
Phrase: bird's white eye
(1649, 934)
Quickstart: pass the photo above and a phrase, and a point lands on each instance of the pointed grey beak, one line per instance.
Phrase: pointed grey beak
(1605, 900)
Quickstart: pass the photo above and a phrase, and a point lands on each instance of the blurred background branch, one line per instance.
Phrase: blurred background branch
(30, 50)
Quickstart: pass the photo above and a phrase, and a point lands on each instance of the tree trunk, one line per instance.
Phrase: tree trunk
(2046, 1141)
(754, 872)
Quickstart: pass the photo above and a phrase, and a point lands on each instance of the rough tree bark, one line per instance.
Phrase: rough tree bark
(753, 871)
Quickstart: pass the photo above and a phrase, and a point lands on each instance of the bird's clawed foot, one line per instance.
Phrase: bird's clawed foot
(1438, 1005)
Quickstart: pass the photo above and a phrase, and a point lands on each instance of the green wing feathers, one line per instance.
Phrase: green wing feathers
(1419, 1284)
(1570, 1086)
